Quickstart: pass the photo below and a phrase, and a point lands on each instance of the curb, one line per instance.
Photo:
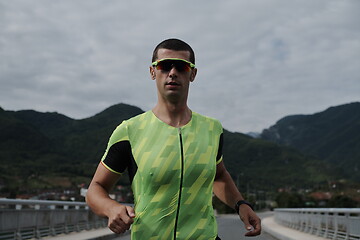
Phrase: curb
(283, 233)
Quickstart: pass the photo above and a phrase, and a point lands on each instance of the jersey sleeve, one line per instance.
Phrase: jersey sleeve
(219, 156)
(117, 156)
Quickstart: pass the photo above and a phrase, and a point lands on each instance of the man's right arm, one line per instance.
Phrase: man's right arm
(120, 216)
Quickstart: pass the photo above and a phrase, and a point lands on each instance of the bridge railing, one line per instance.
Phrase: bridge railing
(27, 219)
(331, 223)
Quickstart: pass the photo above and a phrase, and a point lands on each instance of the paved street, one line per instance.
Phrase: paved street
(230, 228)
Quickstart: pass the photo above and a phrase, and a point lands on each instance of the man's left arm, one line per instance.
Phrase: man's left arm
(226, 190)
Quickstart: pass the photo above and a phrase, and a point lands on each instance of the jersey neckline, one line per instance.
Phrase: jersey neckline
(184, 126)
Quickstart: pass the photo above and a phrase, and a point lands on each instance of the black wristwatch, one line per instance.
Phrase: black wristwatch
(237, 205)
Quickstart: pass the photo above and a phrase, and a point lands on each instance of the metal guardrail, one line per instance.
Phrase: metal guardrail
(331, 223)
(28, 219)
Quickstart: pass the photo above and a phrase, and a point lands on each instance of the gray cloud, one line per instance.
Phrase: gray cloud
(258, 60)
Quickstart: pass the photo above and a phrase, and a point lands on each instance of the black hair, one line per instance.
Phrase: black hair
(174, 44)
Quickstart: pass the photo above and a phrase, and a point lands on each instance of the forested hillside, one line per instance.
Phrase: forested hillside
(50, 150)
(332, 135)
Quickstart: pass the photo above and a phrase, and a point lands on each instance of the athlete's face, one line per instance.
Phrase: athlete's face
(173, 84)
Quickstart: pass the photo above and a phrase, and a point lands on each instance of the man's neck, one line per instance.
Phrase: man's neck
(175, 115)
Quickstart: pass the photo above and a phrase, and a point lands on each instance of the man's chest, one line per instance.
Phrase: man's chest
(168, 155)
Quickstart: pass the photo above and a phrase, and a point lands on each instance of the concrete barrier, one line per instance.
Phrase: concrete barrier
(331, 223)
(26, 219)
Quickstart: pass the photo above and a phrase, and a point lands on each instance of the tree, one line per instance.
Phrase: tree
(342, 201)
(289, 200)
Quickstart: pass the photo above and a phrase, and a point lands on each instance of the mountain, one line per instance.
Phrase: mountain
(37, 146)
(253, 134)
(45, 150)
(260, 164)
(332, 135)
(81, 140)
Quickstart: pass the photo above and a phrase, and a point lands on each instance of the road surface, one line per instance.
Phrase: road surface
(230, 227)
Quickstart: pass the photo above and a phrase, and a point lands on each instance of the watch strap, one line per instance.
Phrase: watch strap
(237, 205)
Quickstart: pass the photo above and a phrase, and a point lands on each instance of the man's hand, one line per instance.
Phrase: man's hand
(251, 221)
(120, 218)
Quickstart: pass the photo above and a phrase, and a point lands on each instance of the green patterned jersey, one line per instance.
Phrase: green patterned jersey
(172, 172)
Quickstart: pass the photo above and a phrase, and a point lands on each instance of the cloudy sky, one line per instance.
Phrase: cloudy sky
(257, 60)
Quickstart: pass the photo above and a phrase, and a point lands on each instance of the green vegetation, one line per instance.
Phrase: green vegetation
(332, 135)
(49, 151)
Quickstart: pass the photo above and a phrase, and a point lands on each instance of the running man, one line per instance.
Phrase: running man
(174, 159)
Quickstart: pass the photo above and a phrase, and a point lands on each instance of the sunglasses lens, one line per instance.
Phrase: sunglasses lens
(164, 66)
(167, 65)
(182, 66)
